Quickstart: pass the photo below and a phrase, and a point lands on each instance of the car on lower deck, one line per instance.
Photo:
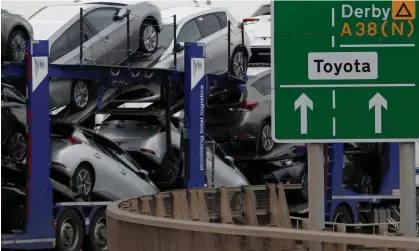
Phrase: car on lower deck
(104, 40)
(101, 168)
(145, 140)
(14, 134)
(251, 120)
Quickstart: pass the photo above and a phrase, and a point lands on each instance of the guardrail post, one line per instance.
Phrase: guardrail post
(145, 206)
(275, 218)
(194, 205)
(250, 218)
(342, 229)
(305, 226)
(228, 242)
(284, 214)
(176, 206)
(186, 215)
(160, 207)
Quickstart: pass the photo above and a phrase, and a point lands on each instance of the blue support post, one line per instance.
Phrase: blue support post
(195, 102)
(39, 231)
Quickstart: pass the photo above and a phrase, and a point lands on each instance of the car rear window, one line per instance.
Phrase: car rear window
(61, 129)
(263, 10)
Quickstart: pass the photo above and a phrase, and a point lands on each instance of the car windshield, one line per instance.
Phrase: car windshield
(166, 35)
(263, 10)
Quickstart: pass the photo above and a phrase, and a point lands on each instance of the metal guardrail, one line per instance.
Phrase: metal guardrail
(227, 219)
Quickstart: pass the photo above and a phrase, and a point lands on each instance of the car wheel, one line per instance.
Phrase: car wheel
(175, 95)
(79, 95)
(98, 238)
(18, 146)
(149, 37)
(82, 181)
(366, 184)
(16, 45)
(266, 143)
(342, 215)
(238, 62)
(70, 231)
(171, 169)
(304, 184)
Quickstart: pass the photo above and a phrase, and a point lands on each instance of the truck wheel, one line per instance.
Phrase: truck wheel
(98, 238)
(343, 215)
(70, 231)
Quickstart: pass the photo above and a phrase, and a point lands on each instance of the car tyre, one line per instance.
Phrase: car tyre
(303, 180)
(174, 95)
(16, 46)
(149, 37)
(70, 231)
(97, 239)
(238, 62)
(265, 141)
(82, 181)
(80, 96)
(171, 170)
(18, 146)
(342, 214)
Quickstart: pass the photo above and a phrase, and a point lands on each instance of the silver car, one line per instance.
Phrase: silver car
(251, 121)
(206, 25)
(144, 139)
(92, 165)
(104, 40)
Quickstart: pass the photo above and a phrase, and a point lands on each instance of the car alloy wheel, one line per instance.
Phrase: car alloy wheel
(239, 64)
(150, 38)
(18, 48)
(267, 141)
(84, 182)
(304, 185)
(81, 94)
(18, 147)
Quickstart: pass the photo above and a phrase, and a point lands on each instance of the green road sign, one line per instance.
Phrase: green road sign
(345, 71)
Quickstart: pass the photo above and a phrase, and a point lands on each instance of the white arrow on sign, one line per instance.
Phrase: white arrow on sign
(378, 102)
(303, 102)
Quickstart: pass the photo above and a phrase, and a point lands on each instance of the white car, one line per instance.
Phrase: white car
(259, 29)
(207, 25)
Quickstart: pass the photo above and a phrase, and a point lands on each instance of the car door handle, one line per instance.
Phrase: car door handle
(97, 156)
(107, 39)
(123, 172)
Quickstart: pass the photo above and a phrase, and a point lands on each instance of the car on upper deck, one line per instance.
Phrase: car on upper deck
(207, 25)
(258, 26)
(104, 39)
(15, 31)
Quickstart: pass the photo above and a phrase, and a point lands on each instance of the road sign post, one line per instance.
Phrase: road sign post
(348, 75)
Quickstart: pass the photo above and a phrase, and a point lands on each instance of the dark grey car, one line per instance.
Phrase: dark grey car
(15, 31)
(104, 40)
(252, 120)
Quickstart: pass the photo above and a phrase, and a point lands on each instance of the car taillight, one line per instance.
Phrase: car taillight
(250, 105)
(73, 140)
(157, 128)
(250, 20)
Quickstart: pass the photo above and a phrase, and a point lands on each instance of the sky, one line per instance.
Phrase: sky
(238, 8)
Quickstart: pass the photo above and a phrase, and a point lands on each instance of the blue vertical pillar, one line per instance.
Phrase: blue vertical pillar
(39, 192)
(195, 102)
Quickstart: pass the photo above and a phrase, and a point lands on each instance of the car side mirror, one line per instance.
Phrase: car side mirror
(229, 159)
(178, 47)
(122, 13)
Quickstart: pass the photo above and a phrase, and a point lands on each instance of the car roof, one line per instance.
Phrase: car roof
(254, 71)
(186, 11)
